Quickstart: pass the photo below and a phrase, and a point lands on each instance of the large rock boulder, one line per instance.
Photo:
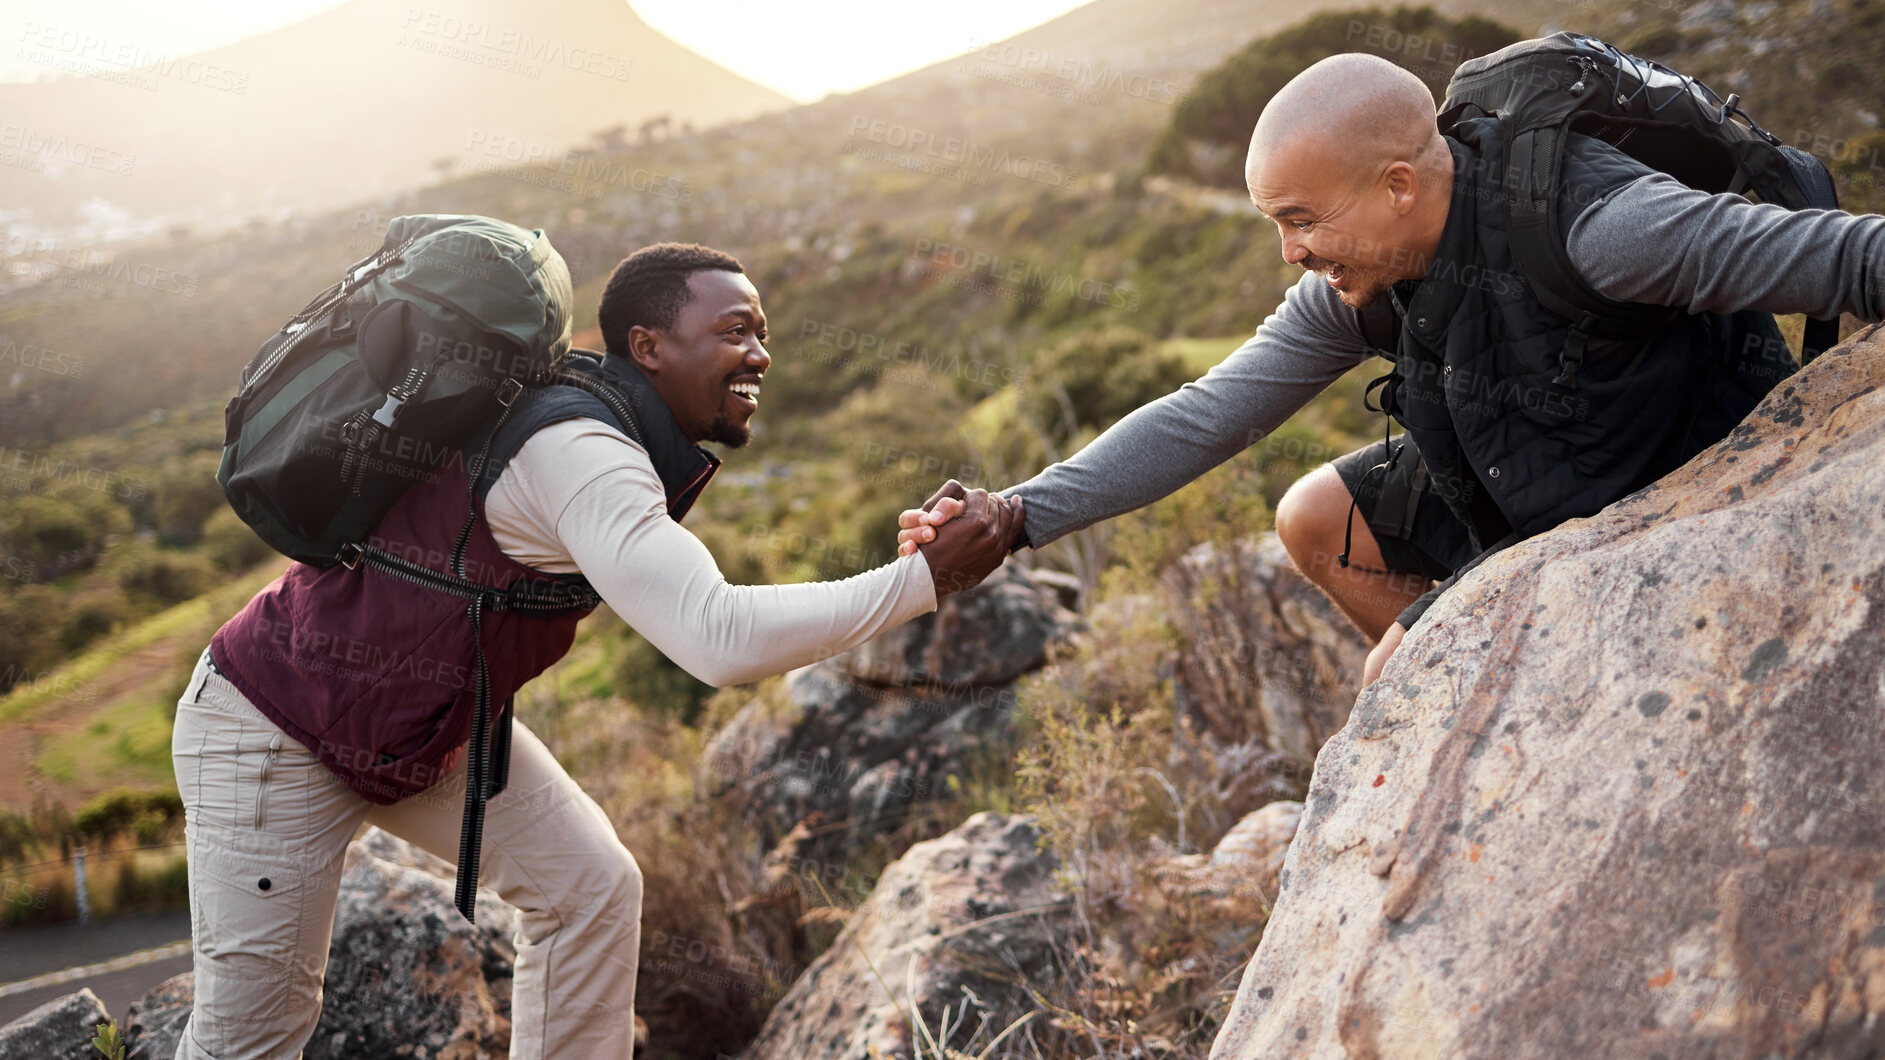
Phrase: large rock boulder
(967, 917)
(1266, 656)
(861, 737)
(406, 975)
(60, 1029)
(1619, 793)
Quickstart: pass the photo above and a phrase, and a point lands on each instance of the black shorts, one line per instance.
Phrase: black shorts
(1417, 532)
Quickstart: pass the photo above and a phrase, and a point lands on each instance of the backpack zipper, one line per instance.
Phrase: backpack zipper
(354, 279)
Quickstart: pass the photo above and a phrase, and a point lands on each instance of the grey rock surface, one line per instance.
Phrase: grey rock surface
(957, 919)
(60, 1029)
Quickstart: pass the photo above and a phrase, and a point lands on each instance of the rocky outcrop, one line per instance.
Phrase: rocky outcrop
(406, 975)
(860, 738)
(1232, 889)
(155, 1022)
(958, 922)
(1618, 794)
(1266, 656)
(985, 637)
(60, 1029)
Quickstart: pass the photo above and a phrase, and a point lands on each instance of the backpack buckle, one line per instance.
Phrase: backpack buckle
(1571, 358)
(349, 555)
(508, 390)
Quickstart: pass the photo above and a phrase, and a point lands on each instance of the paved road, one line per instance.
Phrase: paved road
(26, 953)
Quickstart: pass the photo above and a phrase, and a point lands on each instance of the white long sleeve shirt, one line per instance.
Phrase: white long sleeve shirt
(581, 496)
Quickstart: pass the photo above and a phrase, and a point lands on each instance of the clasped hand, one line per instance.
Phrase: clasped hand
(963, 534)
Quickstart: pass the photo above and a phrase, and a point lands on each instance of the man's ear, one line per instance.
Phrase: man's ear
(1403, 184)
(644, 349)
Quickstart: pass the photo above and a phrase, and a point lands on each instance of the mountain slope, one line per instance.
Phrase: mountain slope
(359, 100)
(1063, 101)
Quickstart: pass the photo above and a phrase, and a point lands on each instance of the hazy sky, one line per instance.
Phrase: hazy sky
(803, 48)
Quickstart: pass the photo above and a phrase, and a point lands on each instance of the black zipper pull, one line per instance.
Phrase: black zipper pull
(1585, 67)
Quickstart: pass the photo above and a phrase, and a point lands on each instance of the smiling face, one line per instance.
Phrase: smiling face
(708, 366)
(1354, 227)
(1348, 162)
(1340, 224)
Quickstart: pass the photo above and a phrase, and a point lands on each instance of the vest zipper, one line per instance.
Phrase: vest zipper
(501, 599)
(610, 395)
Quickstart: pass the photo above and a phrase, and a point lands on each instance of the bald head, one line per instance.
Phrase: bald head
(1350, 116)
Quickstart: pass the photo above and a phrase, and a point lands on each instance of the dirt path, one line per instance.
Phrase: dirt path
(20, 779)
(76, 704)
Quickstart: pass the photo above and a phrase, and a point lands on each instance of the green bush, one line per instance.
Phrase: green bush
(149, 889)
(92, 613)
(148, 815)
(163, 577)
(183, 498)
(28, 642)
(54, 534)
(230, 544)
(1208, 135)
(652, 681)
(1102, 375)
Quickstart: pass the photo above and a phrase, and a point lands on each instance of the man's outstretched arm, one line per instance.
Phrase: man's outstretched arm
(1308, 343)
(609, 521)
(1659, 241)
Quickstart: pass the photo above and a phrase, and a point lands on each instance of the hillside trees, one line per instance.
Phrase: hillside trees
(1207, 137)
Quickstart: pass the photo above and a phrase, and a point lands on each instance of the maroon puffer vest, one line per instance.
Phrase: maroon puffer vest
(378, 676)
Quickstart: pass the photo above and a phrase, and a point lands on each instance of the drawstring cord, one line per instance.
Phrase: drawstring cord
(1387, 444)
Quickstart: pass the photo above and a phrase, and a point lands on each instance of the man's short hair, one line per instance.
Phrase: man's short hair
(649, 288)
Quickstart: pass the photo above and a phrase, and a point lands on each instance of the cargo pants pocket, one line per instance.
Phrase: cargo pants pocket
(260, 920)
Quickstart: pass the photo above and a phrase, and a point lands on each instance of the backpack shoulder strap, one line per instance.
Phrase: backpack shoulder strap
(1380, 327)
(569, 395)
(1532, 182)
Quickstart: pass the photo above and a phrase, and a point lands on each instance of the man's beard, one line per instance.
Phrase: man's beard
(1364, 285)
(728, 433)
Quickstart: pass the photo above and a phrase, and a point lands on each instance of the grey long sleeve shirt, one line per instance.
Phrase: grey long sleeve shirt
(1654, 240)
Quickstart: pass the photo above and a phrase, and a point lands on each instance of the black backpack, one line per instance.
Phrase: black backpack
(1543, 89)
(386, 374)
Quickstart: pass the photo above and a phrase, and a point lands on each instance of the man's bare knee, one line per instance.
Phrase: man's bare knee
(1300, 513)
(1311, 521)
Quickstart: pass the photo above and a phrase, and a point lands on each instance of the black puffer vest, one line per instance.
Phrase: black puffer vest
(1507, 446)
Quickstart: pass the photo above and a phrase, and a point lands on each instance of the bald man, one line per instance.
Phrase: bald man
(1401, 232)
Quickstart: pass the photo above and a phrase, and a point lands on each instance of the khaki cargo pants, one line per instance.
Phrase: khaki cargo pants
(268, 827)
